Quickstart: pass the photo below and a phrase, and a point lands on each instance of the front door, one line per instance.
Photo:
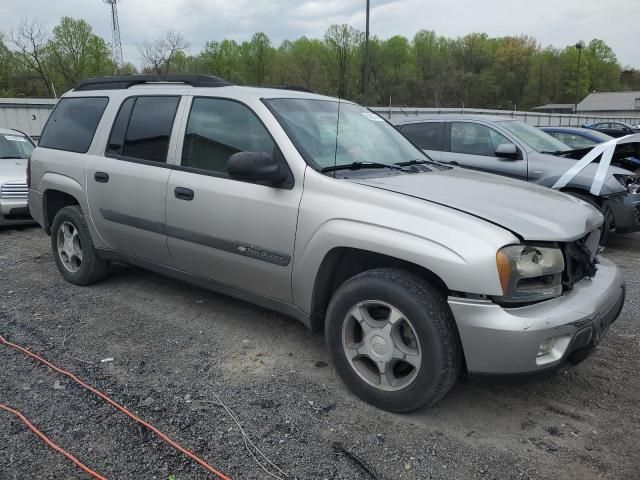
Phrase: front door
(237, 233)
(127, 186)
(473, 145)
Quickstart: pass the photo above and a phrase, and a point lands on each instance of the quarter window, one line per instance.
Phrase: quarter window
(427, 136)
(219, 128)
(475, 139)
(142, 128)
(73, 123)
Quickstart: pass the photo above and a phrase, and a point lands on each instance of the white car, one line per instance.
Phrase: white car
(15, 149)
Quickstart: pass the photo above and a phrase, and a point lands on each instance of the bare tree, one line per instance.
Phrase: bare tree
(158, 54)
(32, 41)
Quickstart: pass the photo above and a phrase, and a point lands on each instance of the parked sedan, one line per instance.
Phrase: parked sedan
(518, 150)
(15, 149)
(614, 129)
(579, 138)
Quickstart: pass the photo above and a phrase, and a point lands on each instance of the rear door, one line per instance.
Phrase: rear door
(473, 145)
(426, 135)
(237, 233)
(127, 185)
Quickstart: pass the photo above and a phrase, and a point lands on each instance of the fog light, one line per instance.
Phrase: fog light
(546, 347)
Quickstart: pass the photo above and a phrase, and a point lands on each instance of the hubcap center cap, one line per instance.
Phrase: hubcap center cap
(379, 345)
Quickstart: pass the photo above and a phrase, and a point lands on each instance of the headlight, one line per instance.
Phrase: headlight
(630, 182)
(529, 273)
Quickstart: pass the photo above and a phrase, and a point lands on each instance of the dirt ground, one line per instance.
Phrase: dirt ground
(174, 347)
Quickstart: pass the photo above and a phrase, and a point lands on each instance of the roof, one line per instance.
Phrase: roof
(555, 106)
(28, 102)
(9, 131)
(610, 102)
(450, 116)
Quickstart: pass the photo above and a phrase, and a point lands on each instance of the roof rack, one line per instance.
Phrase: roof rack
(119, 82)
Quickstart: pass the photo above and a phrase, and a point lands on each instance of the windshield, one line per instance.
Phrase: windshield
(15, 146)
(536, 139)
(358, 136)
(603, 137)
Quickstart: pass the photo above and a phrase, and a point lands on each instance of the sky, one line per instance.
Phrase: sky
(551, 22)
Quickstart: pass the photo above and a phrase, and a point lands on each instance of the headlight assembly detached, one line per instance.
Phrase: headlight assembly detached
(630, 182)
(529, 273)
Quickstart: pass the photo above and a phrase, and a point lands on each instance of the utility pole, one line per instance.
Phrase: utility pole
(366, 56)
(579, 46)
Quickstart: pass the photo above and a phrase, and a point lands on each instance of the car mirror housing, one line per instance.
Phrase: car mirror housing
(507, 151)
(257, 167)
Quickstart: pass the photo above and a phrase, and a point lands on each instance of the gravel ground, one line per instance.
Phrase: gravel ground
(175, 347)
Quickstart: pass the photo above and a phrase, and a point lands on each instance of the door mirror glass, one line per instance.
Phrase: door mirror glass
(257, 167)
(507, 150)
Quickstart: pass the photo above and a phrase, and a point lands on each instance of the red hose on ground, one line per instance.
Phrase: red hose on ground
(46, 440)
(134, 417)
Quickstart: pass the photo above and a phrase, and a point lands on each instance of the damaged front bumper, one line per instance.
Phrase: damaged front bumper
(539, 338)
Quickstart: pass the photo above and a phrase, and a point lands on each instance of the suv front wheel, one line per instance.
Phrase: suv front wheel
(73, 250)
(392, 340)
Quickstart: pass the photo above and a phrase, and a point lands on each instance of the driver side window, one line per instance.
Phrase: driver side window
(475, 139)
(219, 128)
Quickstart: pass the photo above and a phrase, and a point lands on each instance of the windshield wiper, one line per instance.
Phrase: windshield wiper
(361, 165)
(12, 156)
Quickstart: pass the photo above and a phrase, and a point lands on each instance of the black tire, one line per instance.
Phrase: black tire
(432, 321)
(92, 268)
(608, 226)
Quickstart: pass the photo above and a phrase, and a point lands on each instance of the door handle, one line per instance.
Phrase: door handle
(101, 177)
(184, 193)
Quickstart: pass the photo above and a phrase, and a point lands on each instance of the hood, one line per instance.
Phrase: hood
(13, 170)
(530, 211)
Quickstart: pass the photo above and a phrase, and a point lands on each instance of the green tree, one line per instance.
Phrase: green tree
(77, 53)
(341, 42)
(257, 58)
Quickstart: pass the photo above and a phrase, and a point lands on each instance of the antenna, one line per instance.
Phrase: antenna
(116, 45)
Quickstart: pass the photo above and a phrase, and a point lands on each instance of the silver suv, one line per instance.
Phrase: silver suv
(319, 209)
(515, 149)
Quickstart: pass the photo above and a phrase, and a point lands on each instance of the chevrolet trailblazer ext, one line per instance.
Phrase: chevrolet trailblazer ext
(319, 209)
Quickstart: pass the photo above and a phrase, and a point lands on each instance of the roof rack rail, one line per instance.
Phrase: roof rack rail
(289, 87)
(119, 82)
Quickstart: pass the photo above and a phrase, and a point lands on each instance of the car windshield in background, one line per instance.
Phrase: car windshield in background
(536, 139)
(15, 146)
(330, 133)
(603, 137)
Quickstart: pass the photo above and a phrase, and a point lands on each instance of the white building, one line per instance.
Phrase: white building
(26, 114)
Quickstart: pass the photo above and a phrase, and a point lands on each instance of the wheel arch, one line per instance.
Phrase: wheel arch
(343, 263)
(53, 201)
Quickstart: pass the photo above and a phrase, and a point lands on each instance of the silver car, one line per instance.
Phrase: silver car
(15, 148)
(515, 149)
(319, 209)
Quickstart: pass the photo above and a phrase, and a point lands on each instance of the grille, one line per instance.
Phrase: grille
(14, 190)
(580, 259)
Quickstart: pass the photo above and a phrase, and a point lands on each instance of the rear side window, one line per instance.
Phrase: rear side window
(427, 136)
(73, 123)
(142, 128)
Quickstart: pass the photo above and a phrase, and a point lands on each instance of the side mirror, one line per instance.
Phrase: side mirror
(257, 167)
(507, 150)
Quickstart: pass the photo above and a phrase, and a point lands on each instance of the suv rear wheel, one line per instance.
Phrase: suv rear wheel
(73, 250)
(392, 340)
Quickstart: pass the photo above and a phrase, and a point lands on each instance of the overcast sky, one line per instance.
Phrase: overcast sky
(551, 22)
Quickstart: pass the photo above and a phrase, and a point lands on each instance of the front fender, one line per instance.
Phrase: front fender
(477, 273)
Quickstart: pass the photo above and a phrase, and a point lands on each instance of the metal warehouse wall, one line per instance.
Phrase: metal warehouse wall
(26, 114)
(536, 119)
